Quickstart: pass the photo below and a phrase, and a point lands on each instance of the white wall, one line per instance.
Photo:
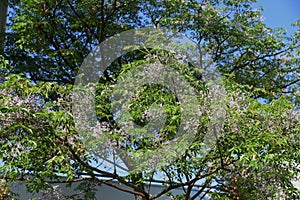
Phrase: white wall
(104, 192)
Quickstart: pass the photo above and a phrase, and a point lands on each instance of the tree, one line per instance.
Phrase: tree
(257, 154)
(3, 9)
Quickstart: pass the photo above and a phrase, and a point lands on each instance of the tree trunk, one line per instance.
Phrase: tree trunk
(3, 14)
(135, 177)
(140, 197)
(140, 185)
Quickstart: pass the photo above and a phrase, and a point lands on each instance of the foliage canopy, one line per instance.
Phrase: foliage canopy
(257, 155)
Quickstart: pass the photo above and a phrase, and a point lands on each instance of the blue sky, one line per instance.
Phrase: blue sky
(280, 13)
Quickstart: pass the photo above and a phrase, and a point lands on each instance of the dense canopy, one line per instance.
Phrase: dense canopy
(256, 155)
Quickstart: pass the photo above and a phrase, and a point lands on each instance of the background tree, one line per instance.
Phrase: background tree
(3, 15)
(257, 155)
